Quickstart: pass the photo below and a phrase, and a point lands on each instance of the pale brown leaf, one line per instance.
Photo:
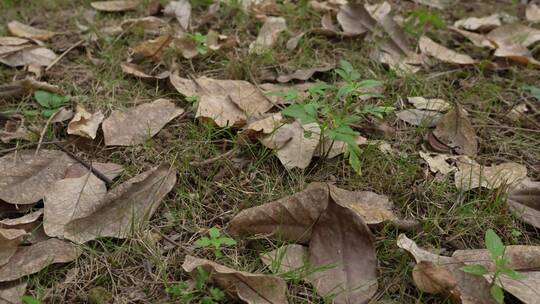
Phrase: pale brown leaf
(248, 287)
(26, 86)
(456, 131)
(152, 48)
(40, 56)
(125, 207)
(514, 34)
(181, 10)
(264, 125)
(11, 292)
(526, 290)
(185, 46)
(438, 162)
(6, 40)
(479, 24)
(435, 50)
(27, 222)
(268, 35)
(114, 6)
(430, 104)
(352, 17)
(151, 25)
(524, 201)
(135, 125)
(478, 40)
(418, 117)
(517, 53)
(9, 241)
(84, 123)
(471, 175)
(305, 74)
(25, 31)
(532, 13)
(432, 278)
(286, 258)
(136, 71)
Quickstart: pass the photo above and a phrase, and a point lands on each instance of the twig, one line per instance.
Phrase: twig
(64, 54)
(43, 131)
(213, 159)
(28, 145)
(88, 166)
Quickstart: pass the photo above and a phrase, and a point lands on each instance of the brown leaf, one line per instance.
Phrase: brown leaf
(114, 6)
(524, 201)
(268, 35)
(181, 10)
(185, 46)
(272, 91)
(331, 148)
(226, 102)
(341, 240)
(136, 71)
(432, 278)
(26, 177)
(150, 25)
(11, 292)
(25, 31)
(152, 48)
(433, 49)
(305, 74)
(519, 257)
(440, 4)
(532, 13)
(517, 53)
(293, 147)
(526, 290)
(352, 17)
(27, 222)
(292, 43)
(6, 40)
(248, 287)
(286, 258)
(471, 175)
(437, 162)
(125, 207)
(13, 128)
(264, 125)
(514, 34)
(478, 40)
(34, 55)
(135, 125)
(456, 131)
(479, 24)
(430, 104)
(26, 86)
(398, 40)
(417, 117)
(31, 259)
(110, 170)
(84, 123)
(9, 241)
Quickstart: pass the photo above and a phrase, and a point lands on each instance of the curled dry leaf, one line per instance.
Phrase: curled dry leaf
(433, 278)
(514, 34)
(84, 123)
(9, 241)
(137, 71)
(125, 207)
(471, 175)
(181, 10)
(292, 43)
(39, 56)
(248, 287)
(532, 13)
(11, 292)
(435, 50)
(31, 259)
(516, 53)
(456, 131)
(431, 104)
(23, 170)
(27, 222)
(268, 35)
(305, 74)
(151, 48)
(479, 24)
(478, 40)
(226, 102)
(352, 18)
(25, 31)
(526, 289)
(437, 162)
(114, 6)
(264, 125)
(185, 46)
(26, 86)
(524, 201)
(135, 125)
(295, 144)
(418, 117)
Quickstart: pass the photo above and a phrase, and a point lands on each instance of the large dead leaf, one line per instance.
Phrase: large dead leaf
(186, 46)
(435, 50)
(268, 35)
(26, 86)
(524, 201)
(181, 10)
(39, 56)
(532, 13)
(295, 144)
(125, 207)
(471, 175)
(248, 287)
(479, 24)
(305, 74)
(25, 31)
(331, 148)
(342, 245)
(6, 40)
(456, 131)
(514, 34)
(26, 177)
(418, 117)
(9, 241)
(84, 123)
(114, 6)
(31, 259)
(226, 102)
(11, 292)
(135, 125)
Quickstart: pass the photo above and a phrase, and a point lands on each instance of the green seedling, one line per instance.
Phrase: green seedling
(215, 240)
(197, 293)
(50, 102)
(496, 250)
(29, 300)
(534, 91)
(200, 40)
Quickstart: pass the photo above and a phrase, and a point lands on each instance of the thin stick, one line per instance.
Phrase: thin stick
(213, 159)
(88, 166)
(43, 131)
(64, 54)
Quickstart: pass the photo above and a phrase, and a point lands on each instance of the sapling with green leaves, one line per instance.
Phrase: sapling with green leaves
(200, 40)
(215, 240)
(50, 102)
(496, 250)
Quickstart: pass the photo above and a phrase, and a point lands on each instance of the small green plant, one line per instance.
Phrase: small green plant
(496, 250)
(199, 292)
(420, 19)
(50, 102)
(215, 240)
(29, 300)
(200, 40)
(534, 91)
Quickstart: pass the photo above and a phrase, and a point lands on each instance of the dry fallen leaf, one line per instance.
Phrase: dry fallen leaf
(25, 31)
(478, 40)
(31, 259)
(479, 24)
(352, 19)
(26, 177)
(524, 201)
(264, 125)
(268, 35)
(11, 292)
(532, 13)
(305, 74)
(13, 128)
(471, 175)
(293, 42)
(431, 104)
(516, 53)
(6, 40)
(135, 125)
(440, 4)
(114, 6)
(84, 123)
(437, 162)
(151, 25)
(456, 131)
(331, 148)
(26, 86)
(186, 46)
(136, 71)
(525, 289)
(124, 208)
(226, 102)
(151, 48)
(417, 117)
(433, 278)
(514, 34)
(27, 222)
(181, 10)
(274, 91)
(40, 56)
(9, 241)
(433, 49)
(286, 258)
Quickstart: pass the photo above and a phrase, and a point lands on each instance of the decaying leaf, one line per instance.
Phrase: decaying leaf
(26, 86)
(84, 123)
(478, 40)
(525, 289)
(39, 56)
(136, 71)
(124, 208)
(295, 144)
(181, 10)
(479, 24)
(514, 34)
(226, 102)
(456, 131)
(532, 13)
(114, 6)
(268, 34)
(418, 117)
(516, 53)
(433, 278)
(471, 175)
(135, 125)
(25, 31)
(6, 40)
(31, 259)
(23, 170)
(9, 241)
(151, 48)
(286, 258)
(437, 162)
(248, 287)
(524, 201)
(352, 19)
(431, 104)
(305, 74)
(435, 50)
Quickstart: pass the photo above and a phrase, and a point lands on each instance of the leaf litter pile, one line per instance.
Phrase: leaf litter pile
(270, 152)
